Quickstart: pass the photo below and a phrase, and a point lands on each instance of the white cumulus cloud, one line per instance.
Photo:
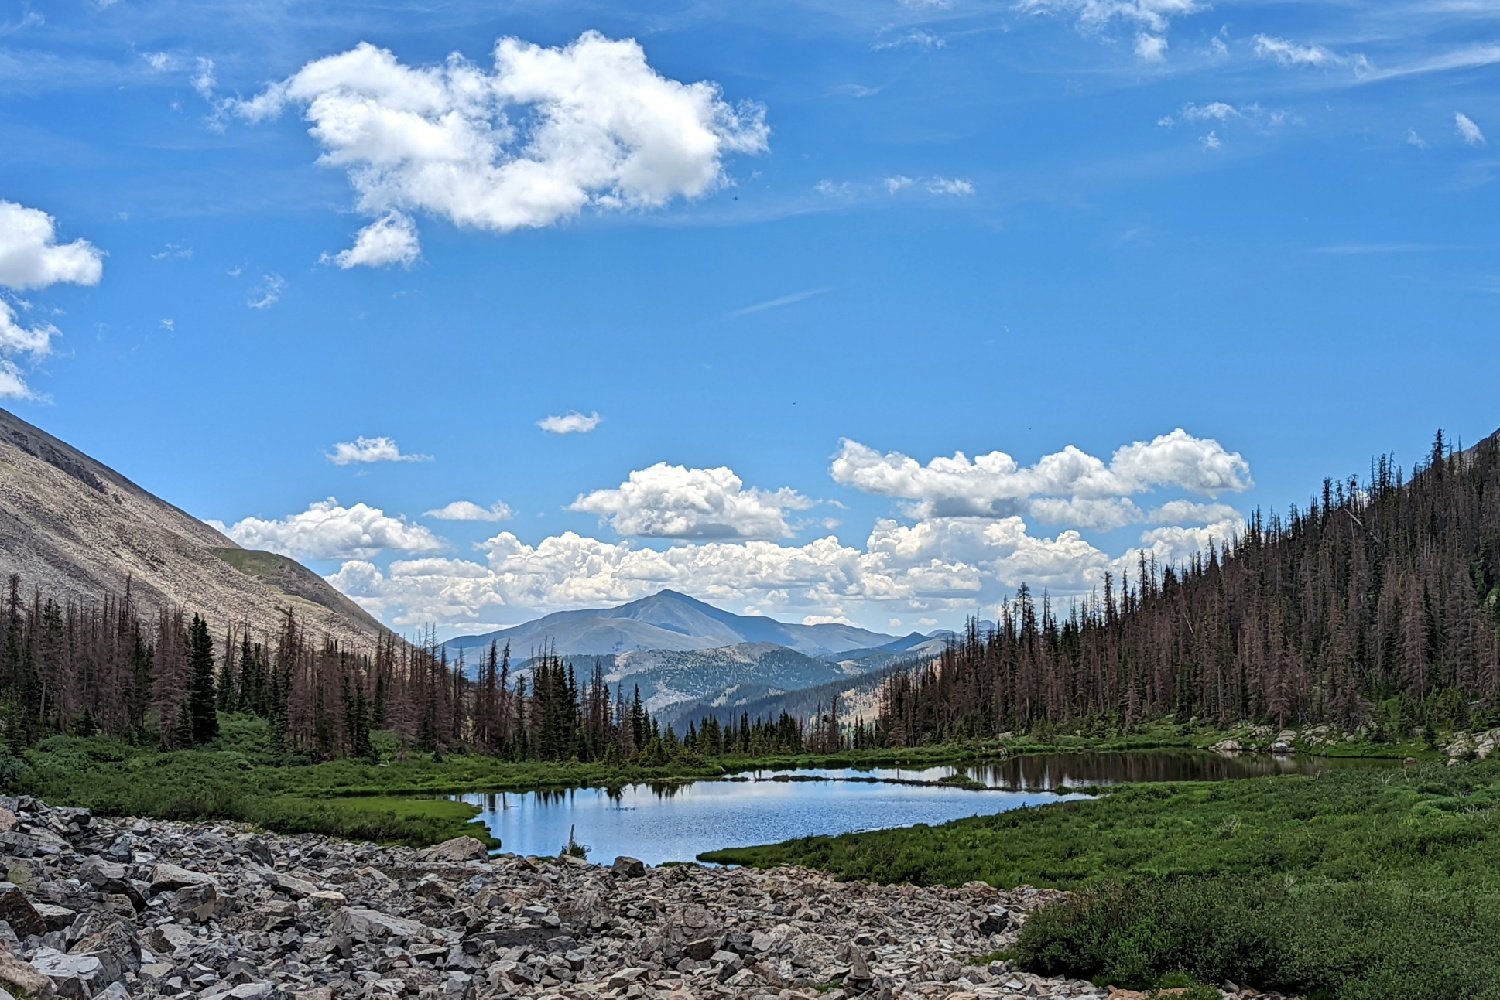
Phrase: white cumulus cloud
(537, 139)
(965, 544)
(328, 530)
(31, 257)
(670, 501)
(468, 510)
(571, 422)
(15, 338)
(390, 239)
(995, 485)
(364, 450)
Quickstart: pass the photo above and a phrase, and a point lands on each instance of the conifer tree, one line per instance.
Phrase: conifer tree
(204, 725)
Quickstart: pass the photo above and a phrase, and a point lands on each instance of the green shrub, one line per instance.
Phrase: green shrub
(15, 773)
(1319, 938)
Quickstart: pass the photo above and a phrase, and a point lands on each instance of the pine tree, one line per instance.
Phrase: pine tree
(200, 704)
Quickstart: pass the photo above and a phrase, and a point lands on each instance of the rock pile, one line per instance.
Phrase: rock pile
(115, 909)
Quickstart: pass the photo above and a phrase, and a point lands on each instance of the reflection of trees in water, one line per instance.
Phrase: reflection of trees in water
(554, 796)
(1045, 772)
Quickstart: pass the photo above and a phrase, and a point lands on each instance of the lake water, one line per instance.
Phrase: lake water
(678, 822)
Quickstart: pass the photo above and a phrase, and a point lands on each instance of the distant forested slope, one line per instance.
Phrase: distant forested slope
(1378, 603)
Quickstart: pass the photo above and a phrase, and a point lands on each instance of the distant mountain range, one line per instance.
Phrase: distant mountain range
(666, 621)
(689, 658)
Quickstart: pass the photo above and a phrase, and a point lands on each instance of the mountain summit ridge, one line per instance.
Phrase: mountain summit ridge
(670, 621)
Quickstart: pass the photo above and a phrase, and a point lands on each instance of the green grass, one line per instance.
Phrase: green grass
(237, 777)
(1353, 883)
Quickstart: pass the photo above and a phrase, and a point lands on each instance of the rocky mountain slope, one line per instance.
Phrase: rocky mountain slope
(116, 909)
(78, 529)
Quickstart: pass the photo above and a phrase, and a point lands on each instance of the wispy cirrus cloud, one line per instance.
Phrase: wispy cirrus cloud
(267, 293)
(776, 303)
(1467, 130)
(1295, 54)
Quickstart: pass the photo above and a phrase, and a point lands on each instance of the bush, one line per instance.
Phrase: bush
(15, 773)
(1320, 938)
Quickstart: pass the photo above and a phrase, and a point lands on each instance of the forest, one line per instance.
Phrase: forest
(163, 680)
(1378, 605)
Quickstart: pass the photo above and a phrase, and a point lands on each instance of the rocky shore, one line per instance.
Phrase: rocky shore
(104, 908)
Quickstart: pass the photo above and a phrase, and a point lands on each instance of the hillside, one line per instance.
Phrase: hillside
(858, 698)
(1377, 605)
(667, 621)
(75, 528)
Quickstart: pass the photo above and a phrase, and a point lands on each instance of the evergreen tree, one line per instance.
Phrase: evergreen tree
(204, 724)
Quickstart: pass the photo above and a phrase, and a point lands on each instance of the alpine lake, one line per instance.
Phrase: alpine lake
(677, 822)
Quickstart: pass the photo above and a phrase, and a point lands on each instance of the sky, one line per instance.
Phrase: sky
(828, 311)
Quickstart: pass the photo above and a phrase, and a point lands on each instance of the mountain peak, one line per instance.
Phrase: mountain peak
(670, 620)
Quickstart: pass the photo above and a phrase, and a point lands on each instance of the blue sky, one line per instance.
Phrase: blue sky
(794, 258)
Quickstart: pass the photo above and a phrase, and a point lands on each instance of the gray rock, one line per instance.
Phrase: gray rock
(56, 917)
(358, 924)
(859, 975)
(628, 867)
(167, 877)
(995, 922)
(458, 849)
(18, 977)
(16, 910)
(72, 976)
(198, 903)
(170, 939)
(297, 888)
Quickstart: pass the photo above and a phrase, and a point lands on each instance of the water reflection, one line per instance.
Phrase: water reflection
(677, 822)
(1050, 772)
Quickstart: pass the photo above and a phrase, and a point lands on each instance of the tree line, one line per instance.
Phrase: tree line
(110, 668)
(1378, 605)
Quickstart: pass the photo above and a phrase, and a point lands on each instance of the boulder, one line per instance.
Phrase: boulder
(56, 917)
(75, 977)
(995, 922)
(18, 977)
(198, 903)
(166, 878)
(16, 910)
(358, 924)
(859, 977)
(459, 849)
(169, 939)
(628, 867)
(114, 945)
(297, 888)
